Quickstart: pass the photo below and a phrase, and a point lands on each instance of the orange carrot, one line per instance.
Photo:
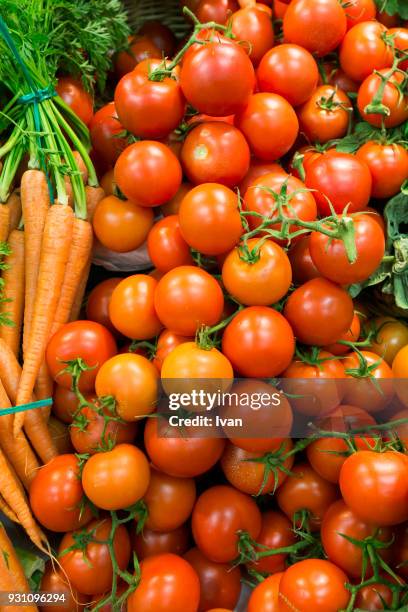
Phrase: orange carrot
(93, 196)
(7, 512)
(54, 257)
(17, 449)
(14, 204)
(44, 387)
(13, 277)
(4, 222)
(35, 201)
(13, 562)
(60, 434)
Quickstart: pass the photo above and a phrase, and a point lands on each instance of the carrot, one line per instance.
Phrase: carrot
(79, 297)
(13, 277)
(54, 257)
(35, 201)
(4, 222)
(44, 387)
(93, 196)
(14, 204)
(13, 561)
(7, 512)
(17, 449)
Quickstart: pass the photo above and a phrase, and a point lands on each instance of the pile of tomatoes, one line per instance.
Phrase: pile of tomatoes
(238, 161)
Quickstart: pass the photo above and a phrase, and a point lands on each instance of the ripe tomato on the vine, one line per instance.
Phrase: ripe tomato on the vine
(253, 25)
(365, 49)
(76, 97)
(326, 114)
(166, 246)
(388, 164)
(105, 129)
(393, 100)
(131, 307)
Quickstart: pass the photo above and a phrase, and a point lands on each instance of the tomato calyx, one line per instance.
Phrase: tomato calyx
(207, 337)
(364, 370)
(311, 356)
(104, 408)
(329, 104)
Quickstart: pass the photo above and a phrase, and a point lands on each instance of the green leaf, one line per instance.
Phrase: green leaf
(33, 566)
(394, 7)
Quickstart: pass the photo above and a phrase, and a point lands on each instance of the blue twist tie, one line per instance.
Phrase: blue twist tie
(35, 97)
(30, 406)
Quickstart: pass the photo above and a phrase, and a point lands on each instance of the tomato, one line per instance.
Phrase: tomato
(161, 35)
(148, 173)
(279, 8)
(261, 280)
(400, 371)
(149, 108)
(108, 606)
(166, 343)
(172, 206)
(219, 11)
(295, 200)
(65, 403)
(90, 570)
(56, 494)
(392, 335)
(265, 596)
(314, 389)
(217, 78)
(372, 391)
(401, 430)
(169, 501)
(53, 581)
(391, 99)
(374, 597)
(132, 381)
(266, 115)
(360, 10)
(341, 178)
(302, 158)
(121, 225)
(317, 25)
(97, 304)
(375, 486)
(220, 583)
(253, 26)
(351, 335)
(210, 221)
(149, 543)
(167, 582)
(319, 312)
(276, 532)
(89, 433)
(388, 164)
(326, 114)
(401, 43)
(166, 246)
(340, 522)
(186, 298)
(313, 585)
(330, 257)
(189, 361)
(258, 342)
(116, 479)
(75, 96)
(131, 308)
(257, 168)
(364, 50)
(140, 48)
(220, 514)
(105, 129)
(86, 340)
(290, 71)
(215, 152)
(251, 476)
(180, 455)
(303, 268)
(337, 77)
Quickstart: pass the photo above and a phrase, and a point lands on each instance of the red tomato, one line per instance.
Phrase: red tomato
(56, 494)
(258, 342)
(257, 168)
(375, 486)
(217, 78)
(364, 50)
(265, 596)
(330, 257)
(104, 129)
(319, 312)
(220, 514)
(79, 339)
(161, 35)
(148, 173)
(401, 44)
(66, 404)
(167, 582)
(388, 164)
(219, 11)
(91, 432)
(166, 246)
(220, 583)
(186, 298)
(374, 390)
(189, 361)
(276, 532)
(391, 337)
(169, 501)
(326, 114)
(180, 455)
(266, 115)
(166, 343)
(140, 48)
(172, 206)
(341, 178)
(317, 25)
(131, 308)
(149, 543)
(337, 77)
(97, 305)
(303, 268)
(210, 221)
(260, 278)
(374, 596)
(90, 570)
(215, 152)
(253, 26)
(351, 335)
(290, 71)
(79, 100)
(313, 585)
(360, 10)
(392, 99)
(149, 108)
(54, 581)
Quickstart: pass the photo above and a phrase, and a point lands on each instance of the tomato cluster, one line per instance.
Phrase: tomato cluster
(230, 155)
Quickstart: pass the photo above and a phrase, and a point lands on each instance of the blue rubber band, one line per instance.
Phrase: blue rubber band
(29, 406)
